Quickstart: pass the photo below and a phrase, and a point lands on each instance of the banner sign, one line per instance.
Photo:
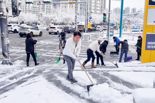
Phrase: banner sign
(151, 17)
(150, 42)
(151, 2)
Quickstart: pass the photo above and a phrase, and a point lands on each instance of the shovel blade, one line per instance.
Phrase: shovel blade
(88, 87)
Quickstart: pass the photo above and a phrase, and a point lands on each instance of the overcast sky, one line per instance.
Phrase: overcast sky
(139, 4)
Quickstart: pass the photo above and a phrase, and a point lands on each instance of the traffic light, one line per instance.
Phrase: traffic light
(15, 10)
(104, 17)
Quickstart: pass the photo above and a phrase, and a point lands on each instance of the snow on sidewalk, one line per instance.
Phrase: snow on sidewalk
(144, 79)
(144, 95)
(9, 69)
(37, 90)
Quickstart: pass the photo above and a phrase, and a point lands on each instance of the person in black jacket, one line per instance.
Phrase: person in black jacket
(103, 48)
(124, 50)
(29, 42)
(139, 47)
(62, 40)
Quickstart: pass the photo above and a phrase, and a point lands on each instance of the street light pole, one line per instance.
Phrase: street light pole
(76, 14)
(121, 19)
(4, 34)
(109, 12)
(86, 16)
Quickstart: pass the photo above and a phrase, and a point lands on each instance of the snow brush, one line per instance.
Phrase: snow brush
(92, 83)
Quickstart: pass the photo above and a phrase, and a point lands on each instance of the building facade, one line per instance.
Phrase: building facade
(97, 6)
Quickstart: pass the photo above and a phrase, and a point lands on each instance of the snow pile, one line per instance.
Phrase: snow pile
(37, 90)
(146, 95)
(106, 94)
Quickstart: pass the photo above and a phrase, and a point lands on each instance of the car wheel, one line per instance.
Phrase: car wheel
(15, 31)
(20, 34)
(41, 33)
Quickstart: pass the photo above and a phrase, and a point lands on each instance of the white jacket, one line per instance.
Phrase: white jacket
(72, 49)
(94, 46)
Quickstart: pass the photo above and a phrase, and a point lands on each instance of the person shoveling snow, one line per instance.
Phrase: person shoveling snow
(71, 53)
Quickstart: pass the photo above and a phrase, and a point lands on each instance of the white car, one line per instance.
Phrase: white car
(55, 29)
(25, 29)
(13, 28)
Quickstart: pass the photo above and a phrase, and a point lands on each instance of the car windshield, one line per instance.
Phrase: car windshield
(24, 28)
(35, 28)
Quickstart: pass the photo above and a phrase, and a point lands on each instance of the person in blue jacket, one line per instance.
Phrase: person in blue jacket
(117, 44)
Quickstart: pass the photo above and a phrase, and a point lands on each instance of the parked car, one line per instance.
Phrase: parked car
(13, 28)
(25, 29)
(68, 29)
(54, 29)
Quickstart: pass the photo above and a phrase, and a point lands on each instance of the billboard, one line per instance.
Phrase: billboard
(148, 45)
(151, 2)
(150, 42)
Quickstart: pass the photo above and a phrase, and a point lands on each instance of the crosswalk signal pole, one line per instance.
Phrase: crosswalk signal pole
(4, 34)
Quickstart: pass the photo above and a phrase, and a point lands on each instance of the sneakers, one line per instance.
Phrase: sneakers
(71, 80)
(29, 65)
(36, 64)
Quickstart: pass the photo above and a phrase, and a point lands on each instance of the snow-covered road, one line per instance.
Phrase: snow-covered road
(47, 82)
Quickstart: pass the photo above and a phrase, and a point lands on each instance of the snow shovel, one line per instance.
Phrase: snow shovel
(116, 65)
(92, 83)
(58, 60)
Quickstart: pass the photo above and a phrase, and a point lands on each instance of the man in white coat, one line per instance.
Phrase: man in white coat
(71, 52)
(93, 47)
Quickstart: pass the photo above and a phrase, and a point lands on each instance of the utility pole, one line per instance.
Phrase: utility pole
(121, 19)
(109, 14)
(4, 33)
(76, 14)
(86, 16)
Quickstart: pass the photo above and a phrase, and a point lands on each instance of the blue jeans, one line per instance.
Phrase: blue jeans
(71, 64)
(125, 53)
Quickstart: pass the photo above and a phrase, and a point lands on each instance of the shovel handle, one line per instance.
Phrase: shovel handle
(84, 69)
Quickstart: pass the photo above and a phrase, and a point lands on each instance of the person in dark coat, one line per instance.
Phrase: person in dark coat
(62, 39)
(29, 42)
(103, 48)
(62, 42)
(117, 44)
(124, 50)
(139, 47)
